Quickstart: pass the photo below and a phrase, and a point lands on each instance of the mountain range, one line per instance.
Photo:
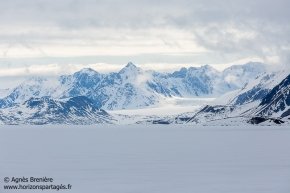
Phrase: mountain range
(251, 94)
(133, 87)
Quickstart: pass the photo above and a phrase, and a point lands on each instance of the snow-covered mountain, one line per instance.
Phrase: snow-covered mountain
(32, 87)
(277, 102)
(133, 87)
(202, 81)
(124, 89)
(239, 75)
(45, 110)
(267, 98)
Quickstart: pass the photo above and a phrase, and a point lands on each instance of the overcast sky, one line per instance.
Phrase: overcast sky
(51, 37)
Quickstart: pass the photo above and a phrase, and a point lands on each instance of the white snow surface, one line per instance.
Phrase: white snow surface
(168, 108)
(149, 159)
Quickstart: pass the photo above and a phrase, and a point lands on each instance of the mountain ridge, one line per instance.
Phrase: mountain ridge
(265, 99)
(131, 87)
(45, 110)
(80, 98)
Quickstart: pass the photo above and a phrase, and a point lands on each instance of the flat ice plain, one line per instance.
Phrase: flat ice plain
(149, 159)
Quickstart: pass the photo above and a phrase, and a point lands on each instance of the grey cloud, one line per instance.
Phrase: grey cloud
(140, 13)
(216, 25)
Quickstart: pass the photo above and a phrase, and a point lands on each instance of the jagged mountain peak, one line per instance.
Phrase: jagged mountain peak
(131, 64)
(205, 70)
(180, 73)
(207, 67)
(130, 67)
(87, 71)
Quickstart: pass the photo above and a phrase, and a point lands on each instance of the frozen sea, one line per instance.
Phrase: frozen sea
(149, 159)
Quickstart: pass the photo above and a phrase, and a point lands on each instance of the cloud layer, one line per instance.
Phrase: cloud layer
(203, 31)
